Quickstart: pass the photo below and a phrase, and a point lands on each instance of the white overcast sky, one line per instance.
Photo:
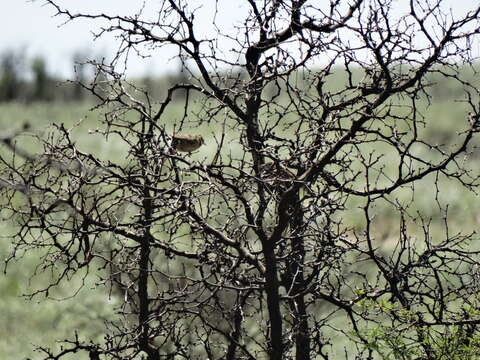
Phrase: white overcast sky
(30, 25)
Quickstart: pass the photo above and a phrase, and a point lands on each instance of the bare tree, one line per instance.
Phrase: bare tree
(79, 60)
(11, 70)
(245, 250)
(42, 83)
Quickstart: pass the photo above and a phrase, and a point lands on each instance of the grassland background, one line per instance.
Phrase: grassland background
(24, 323)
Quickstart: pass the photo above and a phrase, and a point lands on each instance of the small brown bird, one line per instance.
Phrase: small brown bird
(187, 143)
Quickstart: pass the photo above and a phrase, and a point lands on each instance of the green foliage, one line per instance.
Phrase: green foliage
(406, 339)
(447, 343)
(10, 75)
(41, 81)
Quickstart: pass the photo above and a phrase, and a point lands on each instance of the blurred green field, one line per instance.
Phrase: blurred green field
(24, 323)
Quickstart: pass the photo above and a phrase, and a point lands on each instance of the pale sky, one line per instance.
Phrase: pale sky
(30, 25)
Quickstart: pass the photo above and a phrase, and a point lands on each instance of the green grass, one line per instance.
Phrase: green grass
(24, 323)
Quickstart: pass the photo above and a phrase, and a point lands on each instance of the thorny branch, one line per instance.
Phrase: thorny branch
(253, 252)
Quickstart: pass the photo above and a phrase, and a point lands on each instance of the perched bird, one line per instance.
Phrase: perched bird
(187, 143)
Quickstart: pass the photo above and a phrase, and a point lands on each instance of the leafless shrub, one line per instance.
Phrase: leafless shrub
(248, 252)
